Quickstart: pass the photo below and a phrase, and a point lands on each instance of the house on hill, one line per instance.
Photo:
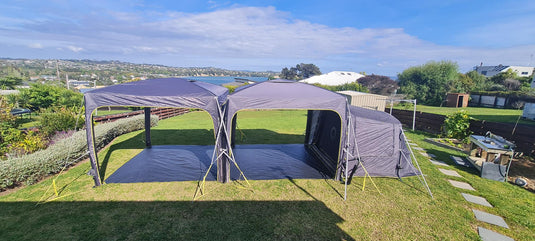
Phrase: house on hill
(489, 71)
(334, 78)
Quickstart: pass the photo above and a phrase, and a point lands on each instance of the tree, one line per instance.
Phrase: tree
(502, 76)
(300, 71)
(429, 83)
(40, 96)
(306, 71)
(9, 82)
(480, 81)
(289, 73)
(463, 84)
(379, 84)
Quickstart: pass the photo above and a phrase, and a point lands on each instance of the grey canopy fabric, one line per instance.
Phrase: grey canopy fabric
(343, 134)
(168, 92)
(381, 145)
(285, 94)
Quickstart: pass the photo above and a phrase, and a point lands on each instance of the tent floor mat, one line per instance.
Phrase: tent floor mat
(277, 161)
(190, 162)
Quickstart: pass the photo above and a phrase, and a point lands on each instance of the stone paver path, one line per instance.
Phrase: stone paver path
(459, 161)
(439, 163)
(484, 234)
(451, 173)
(462, 185)
(425, 154)
(490, 218)
(476, 199)
(488, 235)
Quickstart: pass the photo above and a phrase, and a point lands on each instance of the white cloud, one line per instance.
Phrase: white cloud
(35, 46)
(74, 48)
(262, 37)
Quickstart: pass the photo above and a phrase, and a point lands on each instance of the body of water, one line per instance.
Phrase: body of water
(223, 79)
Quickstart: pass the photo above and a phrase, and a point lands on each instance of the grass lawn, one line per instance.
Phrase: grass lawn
(479, 113)
(268, 210)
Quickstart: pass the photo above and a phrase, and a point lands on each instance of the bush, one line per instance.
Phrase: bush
(60, 119)
(31, 142)
(31, 168)
(457, 125)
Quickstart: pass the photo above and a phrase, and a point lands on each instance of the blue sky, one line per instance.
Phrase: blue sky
(381, 37)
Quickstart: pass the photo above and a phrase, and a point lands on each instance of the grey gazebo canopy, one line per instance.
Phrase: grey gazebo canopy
(168, 92)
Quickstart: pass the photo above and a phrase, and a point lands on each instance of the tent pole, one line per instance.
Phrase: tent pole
(93, 155)
(147, 127)
(417, 164)
(347, 152)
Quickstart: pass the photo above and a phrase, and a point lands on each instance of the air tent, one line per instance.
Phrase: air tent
(380, 143)
(168, 92)
(326, 124)
(336, 133)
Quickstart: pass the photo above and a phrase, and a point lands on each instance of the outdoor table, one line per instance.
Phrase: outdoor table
(493, 153)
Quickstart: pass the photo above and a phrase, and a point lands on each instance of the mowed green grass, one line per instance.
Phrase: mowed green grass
(267, 210)
(479, 113)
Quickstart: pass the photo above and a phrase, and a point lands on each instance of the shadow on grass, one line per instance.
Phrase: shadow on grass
(171, 220)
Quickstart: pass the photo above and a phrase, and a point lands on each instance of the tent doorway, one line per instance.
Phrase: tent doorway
(263, 152)
(181, 150)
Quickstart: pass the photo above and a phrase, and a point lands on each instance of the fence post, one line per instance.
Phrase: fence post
(414, 115)
(147, 127)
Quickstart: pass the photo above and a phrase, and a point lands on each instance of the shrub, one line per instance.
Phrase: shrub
(31, 168)
(457, 125)
(31, 142)
(60, 119)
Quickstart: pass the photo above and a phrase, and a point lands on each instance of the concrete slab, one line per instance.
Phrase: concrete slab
(460, 161)
(418, 148)
(432, 155)
(488, 235)
(451, 173)
(439, 163)
(412, 144)
(476, 199)
(462, 185)
(424, 154)
(490, 218)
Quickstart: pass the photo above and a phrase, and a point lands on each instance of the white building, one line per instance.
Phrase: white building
(334, 78)
(489, 71)
(529, 108)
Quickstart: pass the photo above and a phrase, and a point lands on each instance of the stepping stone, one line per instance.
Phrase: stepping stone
(440, 163)
(488, 235)
(424, 154)
(476, 199)
(459, 161)
(412, 144)
(418, 148)
(462, 185)
(450, 172)
(490, 218)
(431, 155)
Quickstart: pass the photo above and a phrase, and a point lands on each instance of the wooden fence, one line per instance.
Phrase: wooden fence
(523, 135)
(162, 113)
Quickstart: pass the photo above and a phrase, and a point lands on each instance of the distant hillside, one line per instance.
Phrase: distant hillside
(106, 72)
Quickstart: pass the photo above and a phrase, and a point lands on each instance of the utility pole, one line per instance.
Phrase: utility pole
(67, 80)
(57, 69)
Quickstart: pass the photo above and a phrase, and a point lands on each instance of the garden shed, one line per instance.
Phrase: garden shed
(457, 100)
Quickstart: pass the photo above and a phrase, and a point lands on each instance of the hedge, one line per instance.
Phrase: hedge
(33, 167)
